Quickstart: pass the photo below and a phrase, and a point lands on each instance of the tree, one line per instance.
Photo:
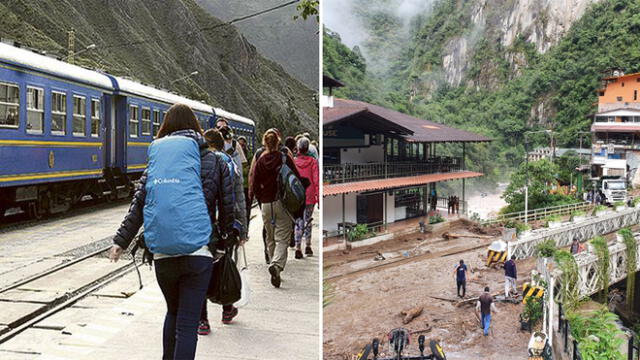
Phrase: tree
(308, 8)
(542, 173)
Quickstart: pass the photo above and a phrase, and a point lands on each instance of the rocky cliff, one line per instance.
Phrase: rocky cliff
(159, 41)
(291, 43)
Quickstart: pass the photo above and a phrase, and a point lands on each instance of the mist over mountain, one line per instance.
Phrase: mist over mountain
(291, 43)
(159, 41)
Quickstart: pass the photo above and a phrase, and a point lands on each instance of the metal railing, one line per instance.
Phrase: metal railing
(541, 213)
(333, 174)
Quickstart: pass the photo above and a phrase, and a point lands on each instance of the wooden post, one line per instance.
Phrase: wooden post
(344, 228)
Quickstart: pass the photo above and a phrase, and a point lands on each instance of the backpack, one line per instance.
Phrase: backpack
(176, 218)
(291, 192)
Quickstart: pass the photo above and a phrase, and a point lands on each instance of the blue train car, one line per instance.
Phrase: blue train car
(67, 132)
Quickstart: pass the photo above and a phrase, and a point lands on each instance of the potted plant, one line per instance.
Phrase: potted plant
(619, 205)
(546, 248)
(523, 229)
(578, 215)
(600, 210)
(553, 221)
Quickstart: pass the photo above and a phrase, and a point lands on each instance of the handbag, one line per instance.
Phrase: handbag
(245, 292)
(225, 286)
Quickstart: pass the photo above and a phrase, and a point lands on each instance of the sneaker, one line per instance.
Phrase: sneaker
(298, 254)
(204, 328)
(308, 251)
(275, 275)
(227, 316)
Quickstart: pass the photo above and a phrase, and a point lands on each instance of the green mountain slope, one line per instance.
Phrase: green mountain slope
(159, 41)
(506, 90)
(291, 43)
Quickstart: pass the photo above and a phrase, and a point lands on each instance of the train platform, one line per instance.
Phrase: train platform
(119, 321)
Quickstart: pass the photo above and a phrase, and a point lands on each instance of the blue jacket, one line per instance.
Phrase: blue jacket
(217, 185)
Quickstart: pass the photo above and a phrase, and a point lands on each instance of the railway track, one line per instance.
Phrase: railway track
(61, 302)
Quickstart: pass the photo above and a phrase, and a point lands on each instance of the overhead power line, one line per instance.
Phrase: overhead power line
(208, 28)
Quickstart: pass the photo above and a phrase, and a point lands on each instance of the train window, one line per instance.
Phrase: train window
(95, 117)
(79, 115)
(133, 121)
(156, 122)
(58, 113)
(146, 121)
(9, 105)
(35, 110)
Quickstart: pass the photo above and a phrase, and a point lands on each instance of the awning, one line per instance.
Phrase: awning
(382, 184)
(615, 127)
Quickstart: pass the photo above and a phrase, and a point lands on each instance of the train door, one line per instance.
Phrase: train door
(120, 132)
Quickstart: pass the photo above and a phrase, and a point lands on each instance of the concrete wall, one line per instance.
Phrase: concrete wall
(374, 153)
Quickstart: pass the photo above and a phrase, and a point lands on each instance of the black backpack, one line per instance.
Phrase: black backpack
(291, 191)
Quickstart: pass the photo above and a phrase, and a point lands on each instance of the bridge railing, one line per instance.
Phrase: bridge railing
(537, 214)
(582, 230)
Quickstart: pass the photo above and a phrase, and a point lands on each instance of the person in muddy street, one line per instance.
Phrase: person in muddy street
(510, 276)
(485, 306)
(461, 278)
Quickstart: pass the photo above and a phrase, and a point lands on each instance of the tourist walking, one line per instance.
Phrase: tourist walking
(461, 278)
(308, 168)
(485, 306)
(278, 222)
(181, 190)
(510, 276)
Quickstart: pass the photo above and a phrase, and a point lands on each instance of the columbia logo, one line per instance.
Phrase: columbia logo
(166, 181)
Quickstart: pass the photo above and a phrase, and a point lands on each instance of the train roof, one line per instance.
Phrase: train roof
(136, 88)
(38, 62)
(231, 116)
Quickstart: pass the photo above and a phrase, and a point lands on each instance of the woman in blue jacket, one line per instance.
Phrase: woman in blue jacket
(183, 275)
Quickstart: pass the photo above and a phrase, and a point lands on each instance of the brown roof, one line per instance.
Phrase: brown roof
(328, 81)
(381, 184)
(422, 130)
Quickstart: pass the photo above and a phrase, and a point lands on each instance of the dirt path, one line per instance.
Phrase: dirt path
(367, 304)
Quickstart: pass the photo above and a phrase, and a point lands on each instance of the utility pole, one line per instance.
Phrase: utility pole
(71, 45)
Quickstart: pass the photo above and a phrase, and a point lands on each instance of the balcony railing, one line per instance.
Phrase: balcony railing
(333, 174)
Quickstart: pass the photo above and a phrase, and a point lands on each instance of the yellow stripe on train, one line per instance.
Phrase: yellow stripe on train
(529, 290)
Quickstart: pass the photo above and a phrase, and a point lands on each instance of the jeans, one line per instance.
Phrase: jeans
(462, 284)
(184, 281)
(486, 322)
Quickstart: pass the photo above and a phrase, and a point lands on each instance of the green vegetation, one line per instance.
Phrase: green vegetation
(541, 173)
(533, 310)
(635, 201)
(578, 213)
(599, 208)
(619, 203)
(602, 251)
(358, 232)
(631, 252)
(519, 226)
(551, 218)
(569, 292)
(546, 248)
(436, 218)
(349, 67)
(308, 8)
(597, 335)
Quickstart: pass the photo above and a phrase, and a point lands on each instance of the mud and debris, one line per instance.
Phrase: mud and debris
(371, 298)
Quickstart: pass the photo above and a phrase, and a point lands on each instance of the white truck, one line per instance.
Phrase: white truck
(614, 190)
